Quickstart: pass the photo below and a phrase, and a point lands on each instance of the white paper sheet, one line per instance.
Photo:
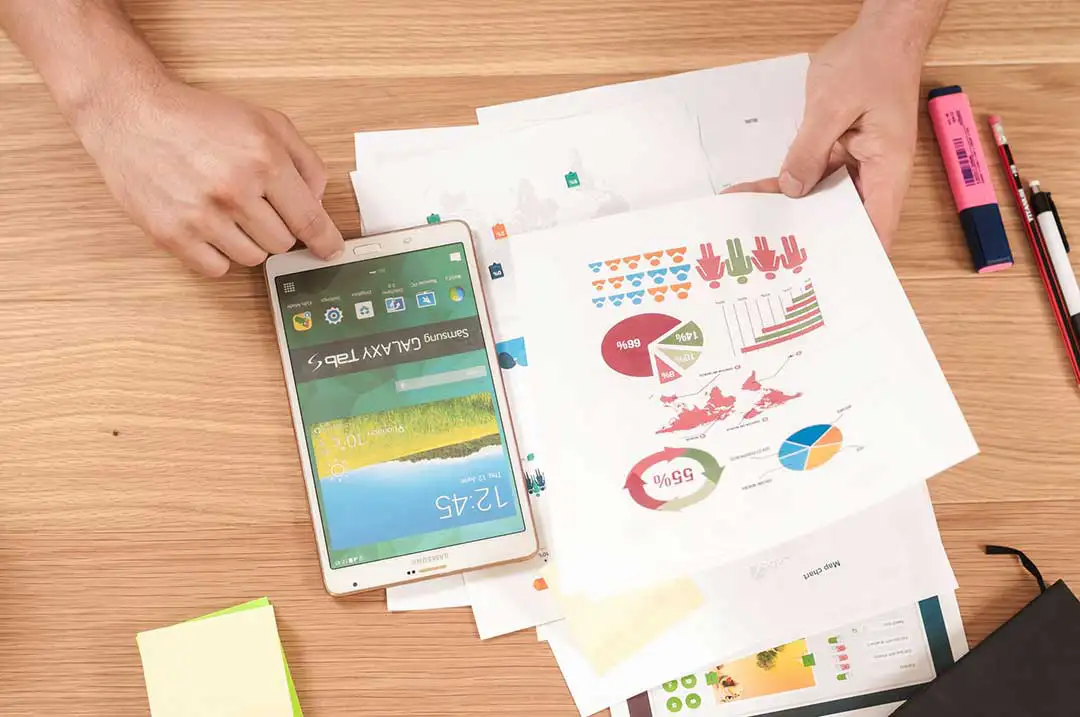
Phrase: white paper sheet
(865, 669)
(505, 600)
(624, 159)
(735, 115)
(553, 174)
(434, 594)
(890, 554)
(374, 148)
(678, 397)
(515, 597)
(748, 113)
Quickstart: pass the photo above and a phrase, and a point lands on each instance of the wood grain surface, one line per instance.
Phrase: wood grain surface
(148, 472)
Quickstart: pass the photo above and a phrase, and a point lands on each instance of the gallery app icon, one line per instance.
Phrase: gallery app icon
(302, 321)
(333, 316)
(395, 304)
(425, 299)
(364, 309)
(457, 294)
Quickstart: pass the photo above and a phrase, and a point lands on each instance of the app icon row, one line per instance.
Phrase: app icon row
(333, 315)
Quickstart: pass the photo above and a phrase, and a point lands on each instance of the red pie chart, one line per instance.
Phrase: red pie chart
(652, 345)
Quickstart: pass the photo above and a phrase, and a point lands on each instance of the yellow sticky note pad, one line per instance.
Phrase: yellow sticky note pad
(609, 630)
(226, 665)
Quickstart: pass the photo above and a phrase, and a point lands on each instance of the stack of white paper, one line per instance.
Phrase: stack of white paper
(736, 384)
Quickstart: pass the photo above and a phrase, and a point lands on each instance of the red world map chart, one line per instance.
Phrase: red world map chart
(718, 406)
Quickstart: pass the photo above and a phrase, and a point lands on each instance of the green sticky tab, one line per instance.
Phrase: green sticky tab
(262, 602)
(808, 660)
(433, 219)
(711, 678)
(834, 640)
(842, 676)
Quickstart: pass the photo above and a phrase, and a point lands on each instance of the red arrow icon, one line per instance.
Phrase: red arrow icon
(764, 258)
(636, 485)
(794, 257)
(635, 482)
(710, 267)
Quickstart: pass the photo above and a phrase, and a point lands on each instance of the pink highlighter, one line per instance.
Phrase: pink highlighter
(969, 177)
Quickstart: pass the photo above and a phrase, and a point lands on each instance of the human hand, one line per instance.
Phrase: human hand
(209, 178)
(862, 100)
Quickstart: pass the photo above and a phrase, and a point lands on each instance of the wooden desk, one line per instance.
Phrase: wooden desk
(147, 466)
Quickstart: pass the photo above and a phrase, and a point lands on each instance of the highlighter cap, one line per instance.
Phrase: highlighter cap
(944, 92)
(986, 238)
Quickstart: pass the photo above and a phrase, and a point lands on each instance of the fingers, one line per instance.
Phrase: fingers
(824, 122)
(307, 160)
(231, 241)
(258, 233)
(202, 257)
(304, 215)
(260, 222)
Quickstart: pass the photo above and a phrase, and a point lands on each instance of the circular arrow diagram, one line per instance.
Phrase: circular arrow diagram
(635, 481)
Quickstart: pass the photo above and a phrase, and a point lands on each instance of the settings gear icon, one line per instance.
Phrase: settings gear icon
(333, 316)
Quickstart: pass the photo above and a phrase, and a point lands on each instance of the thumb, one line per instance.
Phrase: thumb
(809, 155)
(759, 186)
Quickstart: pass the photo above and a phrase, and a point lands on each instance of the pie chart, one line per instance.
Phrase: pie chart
(811, 447)
(652, 345)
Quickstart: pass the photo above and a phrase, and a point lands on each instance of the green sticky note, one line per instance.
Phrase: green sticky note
(262, 602)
